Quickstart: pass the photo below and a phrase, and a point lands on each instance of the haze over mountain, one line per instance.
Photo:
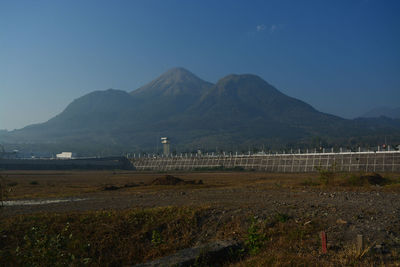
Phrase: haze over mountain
(238, 112)
(393, 113)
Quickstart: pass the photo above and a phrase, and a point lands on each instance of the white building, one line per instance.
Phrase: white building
(65, 155)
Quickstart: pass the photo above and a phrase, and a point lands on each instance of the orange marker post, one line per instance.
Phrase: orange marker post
(323, 242)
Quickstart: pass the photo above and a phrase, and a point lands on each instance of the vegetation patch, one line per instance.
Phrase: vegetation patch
(330, 178)
(97, 238)
(327, 176)
(310, 182)
(367, 179)
(118, 238)
(290, 243)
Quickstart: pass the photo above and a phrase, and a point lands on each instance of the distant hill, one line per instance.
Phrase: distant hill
(239, 112)
(393, 113)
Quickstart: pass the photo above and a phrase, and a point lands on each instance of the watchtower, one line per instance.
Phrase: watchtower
(165, 142)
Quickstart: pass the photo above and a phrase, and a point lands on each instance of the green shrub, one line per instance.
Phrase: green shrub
(156, 238)
(255, 238)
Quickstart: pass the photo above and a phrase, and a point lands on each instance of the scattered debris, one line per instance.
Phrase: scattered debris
(114, 187)
(130, 185)
(111, 187)
(172, 180)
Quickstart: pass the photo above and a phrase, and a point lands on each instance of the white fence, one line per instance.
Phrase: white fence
(381, 161)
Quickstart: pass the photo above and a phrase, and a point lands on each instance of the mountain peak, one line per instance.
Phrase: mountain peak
(175, 81)
(242, 83)
(241, 78)
(178, 70)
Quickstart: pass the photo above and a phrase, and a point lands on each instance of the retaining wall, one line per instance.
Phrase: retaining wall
(66, 164)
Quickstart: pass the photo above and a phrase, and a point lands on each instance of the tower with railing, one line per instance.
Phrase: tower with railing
(165, 142)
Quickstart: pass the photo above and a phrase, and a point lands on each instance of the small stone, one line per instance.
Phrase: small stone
(340, 221)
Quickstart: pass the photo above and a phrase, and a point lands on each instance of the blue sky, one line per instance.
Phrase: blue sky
(342, 57)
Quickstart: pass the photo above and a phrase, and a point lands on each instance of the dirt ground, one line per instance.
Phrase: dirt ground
(373, 211)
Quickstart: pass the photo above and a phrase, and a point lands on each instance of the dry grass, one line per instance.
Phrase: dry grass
(136, 235)
(97, 238)
(356, 181)
(292, 244)
(41, 184)
(115, 238)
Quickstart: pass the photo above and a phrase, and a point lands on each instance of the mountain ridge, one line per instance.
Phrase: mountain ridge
(240, 110)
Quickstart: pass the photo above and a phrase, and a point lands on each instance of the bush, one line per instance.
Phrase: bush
(327, 176)
(255, 238)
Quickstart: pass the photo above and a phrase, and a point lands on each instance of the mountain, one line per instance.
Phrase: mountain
(92, 123)
(249, 97)
(174, 82)
(238, 112)
(246, 110)
(393, 113)
(168, 95)
(95, 111)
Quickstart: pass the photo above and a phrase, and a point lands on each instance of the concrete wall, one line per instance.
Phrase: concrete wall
(388, 161)
(109, 163)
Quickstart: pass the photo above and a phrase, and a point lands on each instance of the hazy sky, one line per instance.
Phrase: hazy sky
(342, 57)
